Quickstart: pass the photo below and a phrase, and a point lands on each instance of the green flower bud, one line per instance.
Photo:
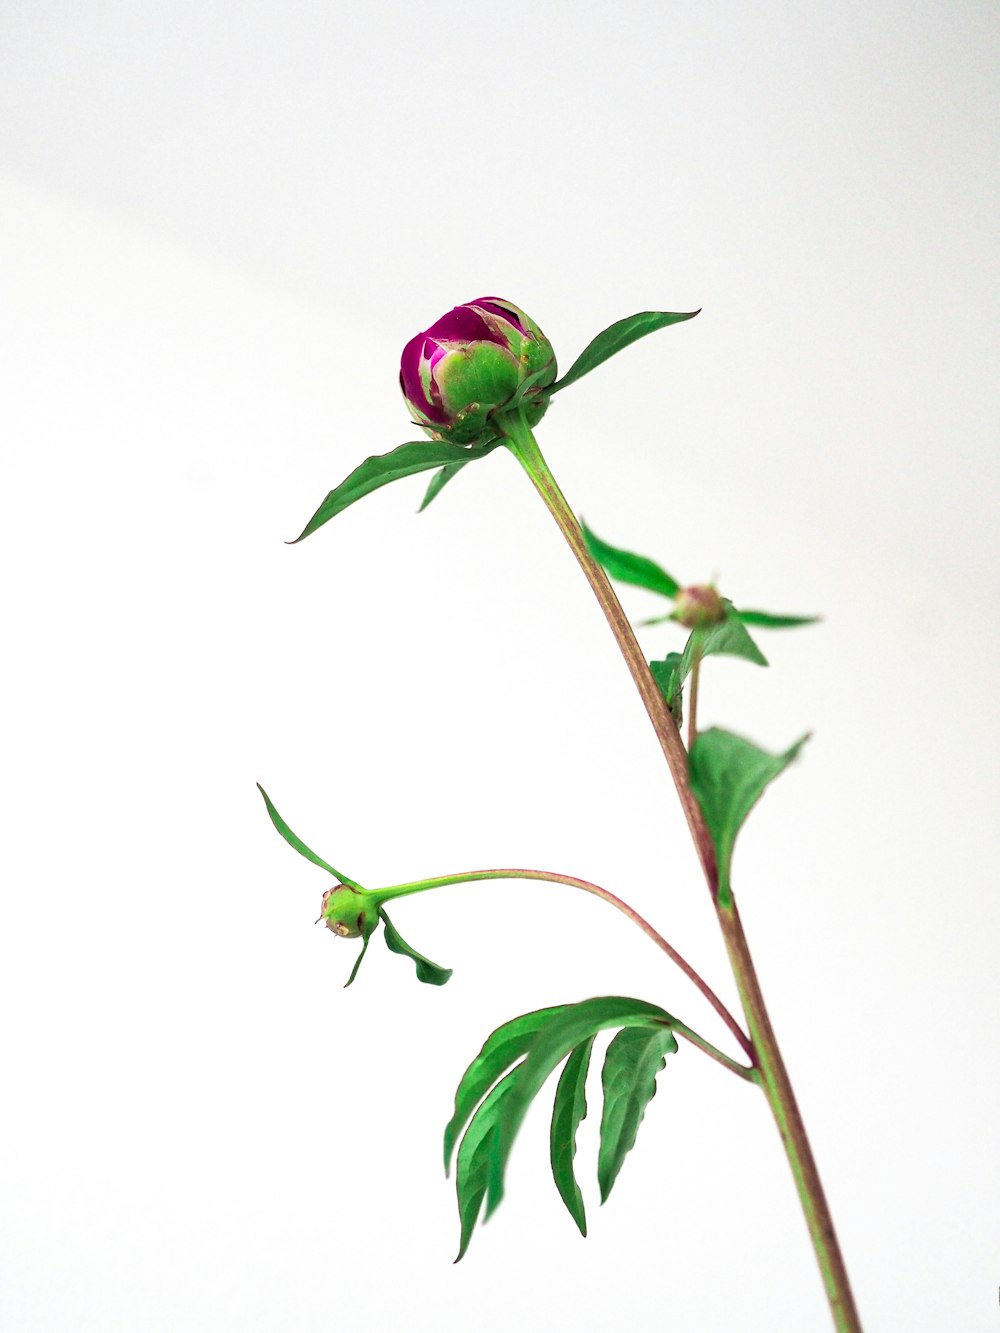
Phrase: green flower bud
(349, 912)
(470, 364)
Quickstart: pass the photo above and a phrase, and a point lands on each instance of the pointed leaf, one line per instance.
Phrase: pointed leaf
(614, 338)
(569, 1108)
(358, 960)
(667, 675)
(728, 775)
(431, 973)
(629, 568)
(294, 841)
(439, 481)
(474, 1155)
(631, 1065)
(380, 469)
(768, 621)
(500, 1050)
(551, 1045)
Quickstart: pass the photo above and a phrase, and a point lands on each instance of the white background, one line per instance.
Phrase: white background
(219, 224)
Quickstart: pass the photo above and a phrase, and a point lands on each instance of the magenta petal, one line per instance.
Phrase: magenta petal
(462, 325)
(496, 306)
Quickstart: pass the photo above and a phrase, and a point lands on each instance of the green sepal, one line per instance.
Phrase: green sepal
(501, 1049)
(474, 1156)
(728, 775)
(430, 973)
(551, 1045)
(380, 469)
(765, 620)
(633, 1060)
(295, 841)
(614, 338)
(358, 960)
(627, 567)
(568, 1110)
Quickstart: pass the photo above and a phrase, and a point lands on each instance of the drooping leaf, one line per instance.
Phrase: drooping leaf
(500, 1050)
(633, 1060)
(380, 469)
(614, 338)
(629, 568)
(431, 973)
(295, 841)
(439, 481)
(768, 621)
(728, 774)
(360, 957)
(474, 1155)
(568, 1109)
(551, 1045)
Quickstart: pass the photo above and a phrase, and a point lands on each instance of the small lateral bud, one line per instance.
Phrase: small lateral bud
(698, 606)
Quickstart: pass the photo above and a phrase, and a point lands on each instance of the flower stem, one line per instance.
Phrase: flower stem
(553, 877)
(766, 1054)
(693, 700)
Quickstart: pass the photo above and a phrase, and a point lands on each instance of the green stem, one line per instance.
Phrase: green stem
(693, 700)
(553, 877)
(751, 1074)
(767, 1056)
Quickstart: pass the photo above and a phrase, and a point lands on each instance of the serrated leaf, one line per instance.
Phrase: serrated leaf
(633, 1060)
(768, 621)
(568, 1110)
(551, 1045)
(474, 1154)
(614, 338)
(627, 567)
(431, 973)
(501, 1049)
(295, 841)
(728, 775)
(380, 469)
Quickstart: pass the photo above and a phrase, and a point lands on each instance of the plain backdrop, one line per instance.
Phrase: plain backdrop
(219, 223)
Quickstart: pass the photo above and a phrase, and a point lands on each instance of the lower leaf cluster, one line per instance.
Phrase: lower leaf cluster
(515, 1061)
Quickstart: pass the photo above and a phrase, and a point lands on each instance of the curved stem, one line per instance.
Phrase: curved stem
(767, 1056)
(553, 877)
(751, 1074)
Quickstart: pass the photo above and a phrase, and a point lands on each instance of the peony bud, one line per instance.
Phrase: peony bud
(348, 912)
(699, 606)
(471, 363)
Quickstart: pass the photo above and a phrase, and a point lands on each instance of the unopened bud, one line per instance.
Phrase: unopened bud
(348, 912)
(699, 606)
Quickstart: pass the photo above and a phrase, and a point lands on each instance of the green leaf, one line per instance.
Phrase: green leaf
(614, 338)
(380, 469)
(294, 841)
(728, 775)
(551, 1045)
(439, 481)
(500, 1050)
(474, 1156)
(569, 1108)
(629, 568)
(431, 973)
(358, 960)
(631, 1065)
(768, 621)
(667, 675)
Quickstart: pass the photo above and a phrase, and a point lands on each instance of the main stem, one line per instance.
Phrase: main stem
(767, 1057)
